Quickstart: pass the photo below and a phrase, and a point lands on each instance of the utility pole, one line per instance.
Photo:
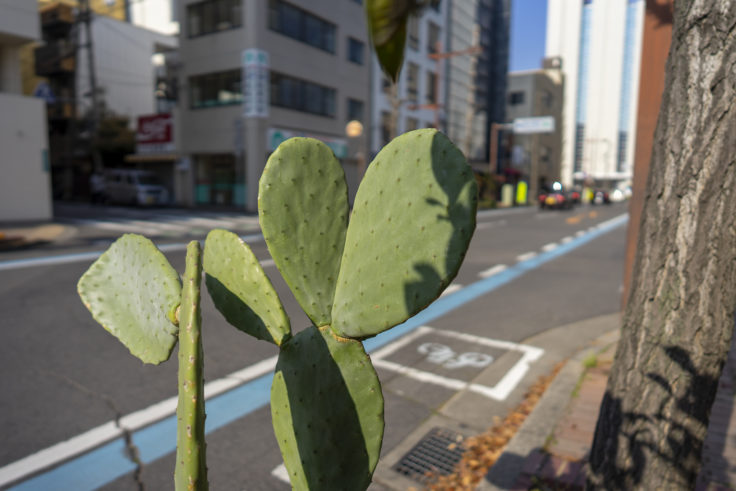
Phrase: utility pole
(86, 14)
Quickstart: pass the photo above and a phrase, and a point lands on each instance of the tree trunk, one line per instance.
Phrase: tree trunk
(679, 317)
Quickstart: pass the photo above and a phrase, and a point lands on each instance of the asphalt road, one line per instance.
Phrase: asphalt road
(64, 375)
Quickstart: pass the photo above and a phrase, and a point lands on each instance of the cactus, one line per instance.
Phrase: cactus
(136, 295)
(412, 222)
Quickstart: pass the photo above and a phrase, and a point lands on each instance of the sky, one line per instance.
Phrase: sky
(528, 28)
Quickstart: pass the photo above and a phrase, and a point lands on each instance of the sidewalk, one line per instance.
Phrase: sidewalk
(550, 450)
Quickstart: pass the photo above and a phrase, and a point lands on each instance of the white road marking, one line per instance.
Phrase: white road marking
(549, 247)
(526, 256)
(580, 233)
(97, 436)
(452, 288)
(498, 392)
(281, 474)
(565, 240)
(492, 270)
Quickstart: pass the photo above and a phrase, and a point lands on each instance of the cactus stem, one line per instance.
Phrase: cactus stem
(191, 465)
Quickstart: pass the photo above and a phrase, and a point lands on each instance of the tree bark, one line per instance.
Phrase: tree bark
(678, 322)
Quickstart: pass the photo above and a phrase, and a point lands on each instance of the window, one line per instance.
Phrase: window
(213, 16)
(412, 124)
(355, 110)
(215, 89)
(431, 88)
(299, 24)
(412, 81)
(516, 98)
(433, 37)
(548, 98)
(300, 95)
(355, 51)
(413, 32)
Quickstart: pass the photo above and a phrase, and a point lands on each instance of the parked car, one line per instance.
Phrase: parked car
(555, 197)
(134, 187)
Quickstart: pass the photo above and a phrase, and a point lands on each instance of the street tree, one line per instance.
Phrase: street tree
(678, 322)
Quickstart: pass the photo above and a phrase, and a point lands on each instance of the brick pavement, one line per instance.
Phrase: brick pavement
(561, 464)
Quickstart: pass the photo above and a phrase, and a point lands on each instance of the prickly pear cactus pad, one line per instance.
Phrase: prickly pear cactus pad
(133, 292)
(303, 212)
(327, 411)
(240, 289)
(412, 221)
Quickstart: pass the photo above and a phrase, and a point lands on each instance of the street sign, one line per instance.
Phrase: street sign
(541, 124)
(255, 83)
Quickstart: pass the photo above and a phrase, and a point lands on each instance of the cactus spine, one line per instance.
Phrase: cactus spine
(191, 466)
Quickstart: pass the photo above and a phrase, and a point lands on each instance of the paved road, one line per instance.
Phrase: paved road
(64, 375)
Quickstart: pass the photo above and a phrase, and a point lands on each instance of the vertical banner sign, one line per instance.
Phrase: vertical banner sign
(255, 83)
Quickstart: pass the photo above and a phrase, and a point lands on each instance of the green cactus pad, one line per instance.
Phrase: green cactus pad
(327, 411)
(240, 289)
(133, 291)
(412, 221)
(303, 210)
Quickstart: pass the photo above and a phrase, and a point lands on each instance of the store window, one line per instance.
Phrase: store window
(213, 16)
(215, 89)
(301, 95)
(431, 88)
(301, 25)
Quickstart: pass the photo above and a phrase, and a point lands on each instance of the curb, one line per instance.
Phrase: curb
(541, 423)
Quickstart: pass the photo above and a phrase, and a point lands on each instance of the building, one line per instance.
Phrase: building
(418, 99)
(599, 43)
(125, 83)
(476, 88)
(536, 93)
(306, 67)
(25, 189)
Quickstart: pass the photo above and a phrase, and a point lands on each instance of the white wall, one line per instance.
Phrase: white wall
(19, 21)
(156, 15)
(123, 66)
(25, 187)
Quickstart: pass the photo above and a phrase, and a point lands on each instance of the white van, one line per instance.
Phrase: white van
(134, 187)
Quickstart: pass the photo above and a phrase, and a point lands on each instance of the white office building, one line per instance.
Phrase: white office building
(599, 43)
(25, 189)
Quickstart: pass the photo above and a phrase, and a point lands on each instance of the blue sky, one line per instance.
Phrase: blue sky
(528, 27)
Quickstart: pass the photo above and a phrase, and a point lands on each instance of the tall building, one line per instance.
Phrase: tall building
(599, 43)
(256, 73)
(420, 92)
(476, 88)
(25, 187)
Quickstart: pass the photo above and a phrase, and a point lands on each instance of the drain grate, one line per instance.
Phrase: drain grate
(436, 453)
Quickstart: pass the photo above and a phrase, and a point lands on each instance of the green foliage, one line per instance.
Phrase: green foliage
(411, 225)
(133, 292)
(240, 289)
(327, 411)
(191, 466)
(387, 21)
(303, 212)
(412, 221)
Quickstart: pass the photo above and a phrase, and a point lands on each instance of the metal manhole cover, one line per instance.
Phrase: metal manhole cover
(436, 453)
